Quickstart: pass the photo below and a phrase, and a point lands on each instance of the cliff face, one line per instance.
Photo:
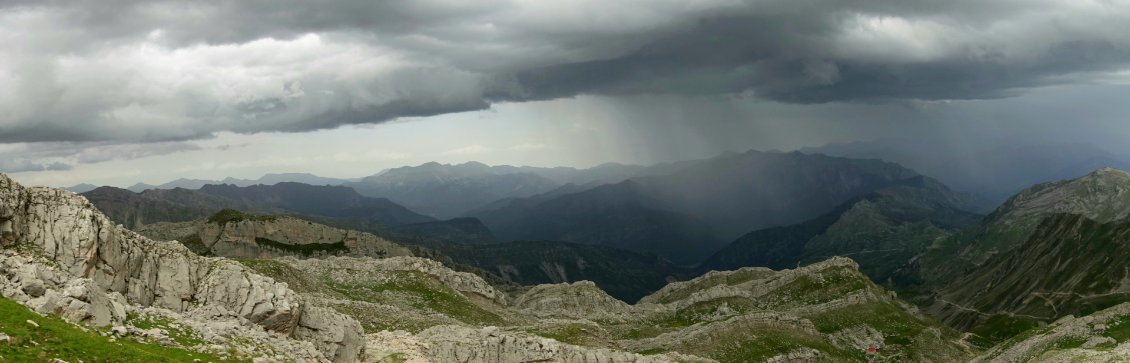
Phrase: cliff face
(288, 236)
(71, 237)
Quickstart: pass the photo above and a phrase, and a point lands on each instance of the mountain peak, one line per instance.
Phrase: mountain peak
(475, 164)
(1109, 172)
(1103, 195)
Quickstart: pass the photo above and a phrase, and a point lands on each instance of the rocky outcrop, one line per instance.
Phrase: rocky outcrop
(467, 345)
(46, 290)
(761, 283)
(362, 270)
(67, 231)
(579, 300)
(265, 237)
(336, 335)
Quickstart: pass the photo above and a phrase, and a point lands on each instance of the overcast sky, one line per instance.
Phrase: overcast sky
(117, 92)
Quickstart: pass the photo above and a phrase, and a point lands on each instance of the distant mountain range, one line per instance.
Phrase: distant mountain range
(690, 210)
(1103, 195)
(882, 230)
(1053, 250)
(268, 179)
(179, 205)
(994, 173)
(448, 191)
(439, 190)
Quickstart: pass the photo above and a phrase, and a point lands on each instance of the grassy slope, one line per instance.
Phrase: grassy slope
(410, 291)
(1071, 266)
(906, 336)
(55, 338)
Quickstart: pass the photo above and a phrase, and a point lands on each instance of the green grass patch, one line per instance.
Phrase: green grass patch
(706, 311)
(1022, 336)
(231, 215)
(1119, 330)
(394, 358)
(420, 292)
(884, 317)
(1070, 343)
(1003, 327)
(304, 249)
(55, 338)
(182, 335)
(294, 278)
(811, 290)
(725, 278)
(759, 345)
(898, 327)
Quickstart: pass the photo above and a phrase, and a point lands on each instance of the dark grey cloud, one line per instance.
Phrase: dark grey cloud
(24, 165)
(132, 71)
(55, 156)
(801, 58)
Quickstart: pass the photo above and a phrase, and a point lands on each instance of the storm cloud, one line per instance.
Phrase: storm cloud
(130, 71)
(57, 156)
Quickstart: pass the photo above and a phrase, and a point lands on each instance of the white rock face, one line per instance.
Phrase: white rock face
(104, 259)
(337, 335)
(393, 346)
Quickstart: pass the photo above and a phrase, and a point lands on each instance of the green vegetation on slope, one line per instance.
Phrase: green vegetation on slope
(1119, 331)
(685, 289)
(231, 215)
(180, 334)
(57, 339)
(420, 292)
(882, 231)
(304, 249)
(1000, 328)
(297, 280)
(433, 302)
(577, 333)
(1071, 265)
(830, 285)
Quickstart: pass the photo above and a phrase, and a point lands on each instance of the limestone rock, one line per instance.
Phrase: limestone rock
(76, 243)
(255, 297)
(395, 346)
(337, 336)
(347, 269)
(466, 345)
